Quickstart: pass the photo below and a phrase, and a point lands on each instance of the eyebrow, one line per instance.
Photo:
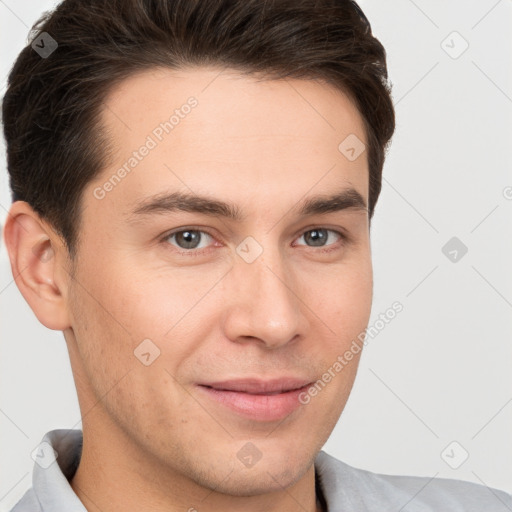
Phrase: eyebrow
(346, 199)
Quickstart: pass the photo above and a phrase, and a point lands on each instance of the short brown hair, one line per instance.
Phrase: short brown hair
(55, 145)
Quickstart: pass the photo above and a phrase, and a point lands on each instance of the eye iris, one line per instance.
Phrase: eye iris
(188, 239)
(316, 236)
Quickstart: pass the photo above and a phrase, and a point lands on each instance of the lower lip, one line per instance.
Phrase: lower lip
(258, 407)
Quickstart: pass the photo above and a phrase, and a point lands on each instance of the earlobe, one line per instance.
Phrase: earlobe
(33, 250)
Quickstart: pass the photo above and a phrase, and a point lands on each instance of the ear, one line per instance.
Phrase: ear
(39, 263)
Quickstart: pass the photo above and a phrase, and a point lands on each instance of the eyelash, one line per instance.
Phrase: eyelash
(199, 252)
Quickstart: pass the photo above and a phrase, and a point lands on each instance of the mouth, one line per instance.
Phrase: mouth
(257, 400)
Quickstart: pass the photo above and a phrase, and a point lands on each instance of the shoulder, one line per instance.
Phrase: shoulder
(347, 486)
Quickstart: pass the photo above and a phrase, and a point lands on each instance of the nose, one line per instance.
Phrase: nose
(263, 302)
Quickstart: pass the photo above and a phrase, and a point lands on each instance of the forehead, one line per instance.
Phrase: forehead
(230, 135)
(290, 106)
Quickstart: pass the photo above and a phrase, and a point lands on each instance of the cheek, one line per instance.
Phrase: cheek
(111, 323)
(354, 300)
(344, 298)
(158, 297)
(344, 307)
(124, 307)
(102, 335)
(110, 319)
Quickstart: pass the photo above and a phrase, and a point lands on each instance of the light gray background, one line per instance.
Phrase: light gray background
(441, 370)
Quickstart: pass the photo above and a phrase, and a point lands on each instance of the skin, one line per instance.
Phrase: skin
(152, 441)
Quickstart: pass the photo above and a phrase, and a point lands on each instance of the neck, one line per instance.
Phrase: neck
(116, 474)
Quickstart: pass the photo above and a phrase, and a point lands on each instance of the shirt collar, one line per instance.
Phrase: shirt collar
(52, 471)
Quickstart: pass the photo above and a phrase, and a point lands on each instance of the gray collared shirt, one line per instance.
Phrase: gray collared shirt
(344, 488)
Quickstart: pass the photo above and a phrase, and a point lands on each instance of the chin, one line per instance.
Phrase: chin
(253, 482)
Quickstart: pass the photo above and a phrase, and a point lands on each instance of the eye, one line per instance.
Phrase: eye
(318, 237)
(193, 241)
(189, 239)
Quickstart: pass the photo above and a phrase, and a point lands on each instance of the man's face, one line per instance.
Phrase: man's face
(275, 293)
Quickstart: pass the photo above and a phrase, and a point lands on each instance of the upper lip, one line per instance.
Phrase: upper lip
(258, 386)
